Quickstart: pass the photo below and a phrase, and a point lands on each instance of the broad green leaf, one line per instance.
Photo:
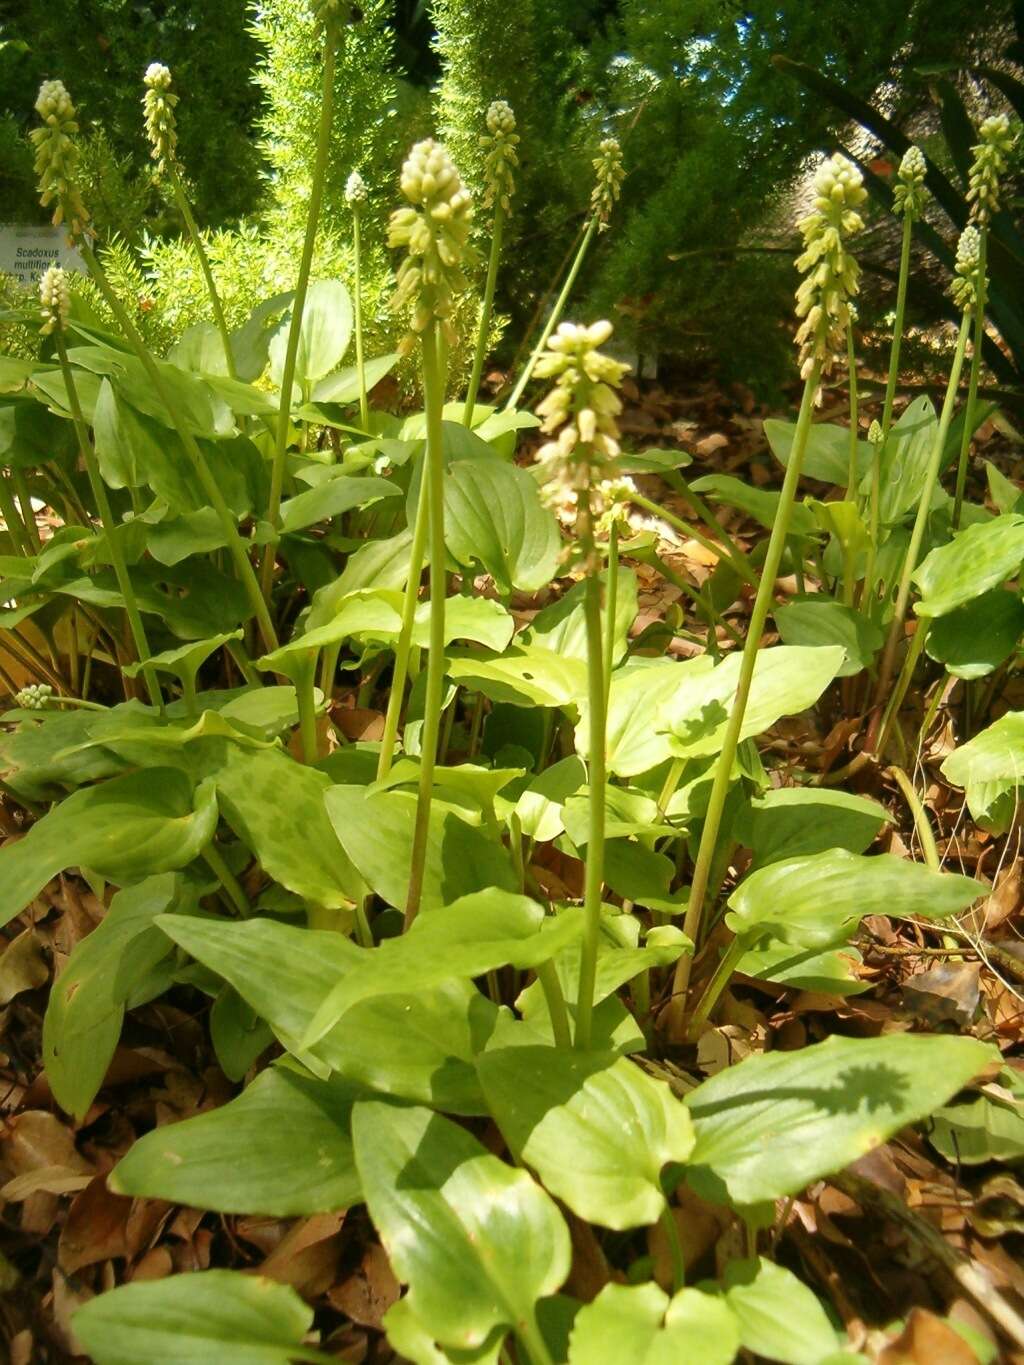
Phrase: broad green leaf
(276, 806)
(790, 821)
(523, 676)
(996, 755)
(239, 1036)
(816, 900)
(787, 680)
(293, 1131)
(331, 499)
(467, 786)
(475, 935)
(562, 628)
(978, 558)
(985, 1127)
(540, 805)
(652, 461)
(904, 462)
(829, 970)
(977, 637)
(200, 350)
(640, 697)
(477, 1241)
(185, 661)
(118, 449)
(641, 1325)
(778, 1121)
(818, 620)
(375, 829)
(85, 1010)
(407, 1335)
(343, 386)
(222, 1315)
(778, 1317)
(827, 456)
(193, 533)
(376, 613)
(759, 503)
(1003, 492)
(49, 752)
(494, 517)
(596, 1129)
(479, 619)
(323, 334)
(125, 829)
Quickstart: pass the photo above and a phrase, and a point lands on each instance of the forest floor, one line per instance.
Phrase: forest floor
(905, 1233)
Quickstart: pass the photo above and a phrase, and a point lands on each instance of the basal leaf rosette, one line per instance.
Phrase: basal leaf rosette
(434, 229)
(500, 143)
(831, 274)
(56, 158)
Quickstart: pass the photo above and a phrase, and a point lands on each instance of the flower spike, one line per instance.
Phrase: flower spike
(990, 156)
(55, 298)
(355, 190)
(500, 142)
(57, 157)
(968, 263)
(909, 194)
(161, 123)
(610, 175)
(831, 274)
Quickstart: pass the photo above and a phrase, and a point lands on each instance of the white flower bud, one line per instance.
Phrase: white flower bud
(355, 190)
(34, 697)
(500, 142)
(161, 124)
(990, 159)
(55, 298)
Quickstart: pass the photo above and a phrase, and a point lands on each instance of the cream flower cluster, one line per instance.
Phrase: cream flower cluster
(610, 175)
(831, 274)
(989, 163)
(56, 156)
(435, 230)
(161, 123)
(583, 404)
(908, 196)
(55, 298)
(35, 697)
(500, 142)
(875, 433)
(355, 190)
(968, 261)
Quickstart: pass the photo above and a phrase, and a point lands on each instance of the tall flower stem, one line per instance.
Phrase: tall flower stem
(556, 313)
(924, 506)
(403, 644)
(433, 474)
(596, 776)
(727, 550)
(611, 593)
(975, 377)
(897, 330)
(211, 488)
(316, 194)
(486, 308)
(731, 738)
(364, 406)
(185, 209)
(110, 528)
(851, 362)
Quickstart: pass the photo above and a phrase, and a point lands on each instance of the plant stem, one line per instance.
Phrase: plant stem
(851, 365)
(731, 738)
(611, 593)
(529, 1334)
(897, 331)
(717, 985)
(433, 474)
(403, 645)
(28, 516)
(185, 209)
(902, 684)
(555, 1001)
(555, 315)
(486, 308)
(921, 822)
(16, 528)
(923, 508)
(111, 530)
(975, 375)
(215, 861)
(364, 406)
(305, 696)
(316, 194)
(596, 776)
(211, 488)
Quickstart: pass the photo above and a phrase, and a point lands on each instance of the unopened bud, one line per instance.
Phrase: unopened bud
(909, 194)
(500, 142)
(56, 157)
(161, 124)
(55, 298)
(355, 190)
(990, 158)
(610, 175)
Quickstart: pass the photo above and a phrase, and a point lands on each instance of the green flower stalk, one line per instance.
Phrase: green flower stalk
(434, 229)
(876, 440)
(159, 103)
(500, 142)
(967, 289)
(909, 198)
(610, 173)
(328, 14)
(989, 164)
(55, 299)
(581, 409)
(823, 304)
(613, 497)
(355, 197)
(56, 159)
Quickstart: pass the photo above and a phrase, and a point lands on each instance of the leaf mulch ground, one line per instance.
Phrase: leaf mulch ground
(897, 1236)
